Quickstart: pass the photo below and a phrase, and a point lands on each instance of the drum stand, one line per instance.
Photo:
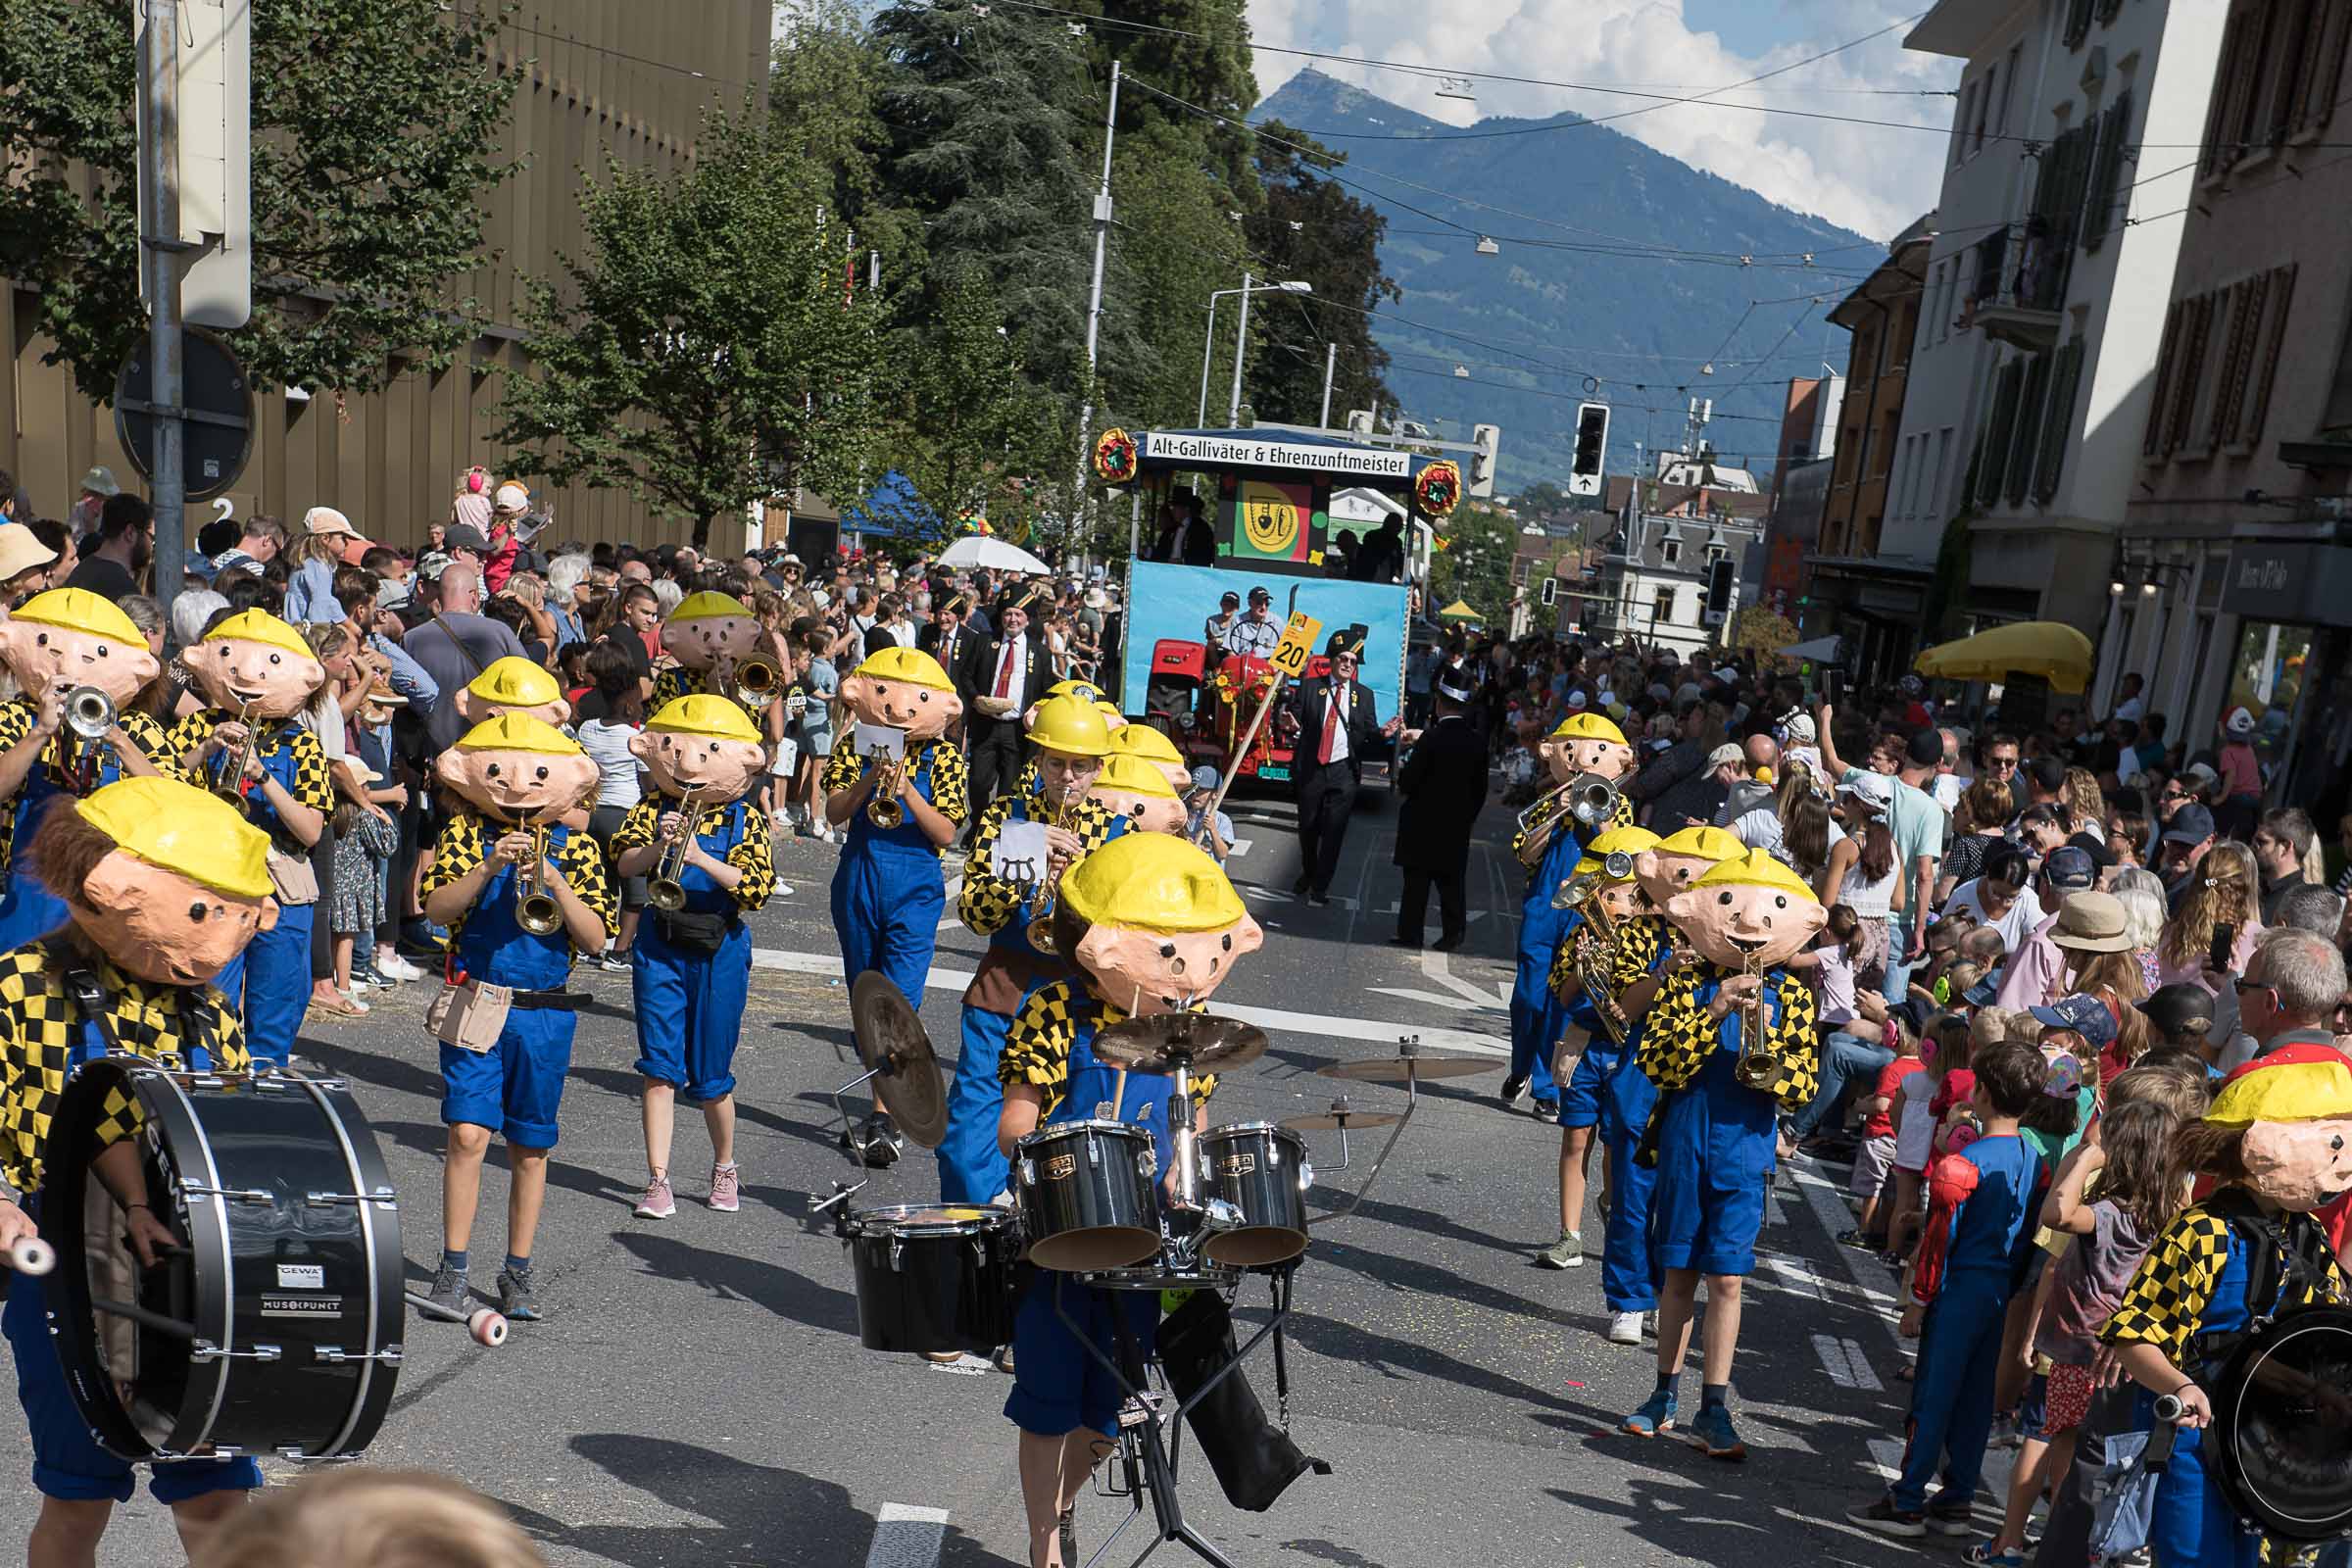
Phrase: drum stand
(1150, 1431)
(1408, 1052)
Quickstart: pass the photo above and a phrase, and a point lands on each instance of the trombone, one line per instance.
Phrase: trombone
(665, 889)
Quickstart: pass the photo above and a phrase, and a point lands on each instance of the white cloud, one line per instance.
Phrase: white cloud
(1872, 179)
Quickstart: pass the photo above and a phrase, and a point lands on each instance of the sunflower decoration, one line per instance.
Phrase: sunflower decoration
(1114, 457)
(1439, 489)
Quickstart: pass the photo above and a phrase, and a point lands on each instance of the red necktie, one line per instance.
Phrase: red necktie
(1004, 672)
(1331, 725)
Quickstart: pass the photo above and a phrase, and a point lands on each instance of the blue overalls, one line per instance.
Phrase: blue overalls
(690, 1004)
(269, 982)
(1960, 1345)
(1537, 1014)
(68, 1463)
(516, 1087)
(29, 910)
(1609, 1091)
(889, 894)
(1057, 1386)
(1581, 1097)
(1716, 1156)
(971, 1168)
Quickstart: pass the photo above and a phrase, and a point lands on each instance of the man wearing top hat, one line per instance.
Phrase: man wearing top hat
(1009, 675)
(950, 640)
(1335, 724)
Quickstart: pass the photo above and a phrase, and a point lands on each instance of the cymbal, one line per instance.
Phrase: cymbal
(1156, 1043)
(1398, 1069)
(892, 1044)
(1341, 1117)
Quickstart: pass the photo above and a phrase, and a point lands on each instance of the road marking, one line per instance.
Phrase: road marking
(1798, 1275)
(1434, 965)
(1887, 1458)
(1380, 1031)
(1828, 1208)
(908, 1537)
(1845, 1363)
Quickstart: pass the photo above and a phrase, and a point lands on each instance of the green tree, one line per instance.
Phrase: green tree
(375, 125)
(972, 436)
(824, 90)
(1475, 566)
(1172, 246)
(705, 352)
(1310, 227)
(1180, 53)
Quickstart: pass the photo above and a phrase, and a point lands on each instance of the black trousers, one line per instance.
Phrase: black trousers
(1412, 905)
(1326, 799)
(996, 759)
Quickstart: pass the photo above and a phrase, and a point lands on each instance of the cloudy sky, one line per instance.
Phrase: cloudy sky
(1872, 179)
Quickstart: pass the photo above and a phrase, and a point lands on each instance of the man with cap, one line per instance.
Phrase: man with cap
(2240, 772)
(1335, 722)
(1009, 674)
(162, 884)
(1256, 634)
(98, 487)
(1219, 627)
(2181, 1015)
(2182, 844)
(1443, 783)
(2039, 971)
(951, 641)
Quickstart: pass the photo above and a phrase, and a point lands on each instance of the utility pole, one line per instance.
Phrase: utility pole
(1093, 294)
(1240, 341)
(159, 246)
(1331, 362)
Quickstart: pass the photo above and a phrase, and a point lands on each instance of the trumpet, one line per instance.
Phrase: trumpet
(535, 908)
(230, 785)
(1760, 1065)
(757, 682)
(884, 808)
(1041, 924)
(665, 890)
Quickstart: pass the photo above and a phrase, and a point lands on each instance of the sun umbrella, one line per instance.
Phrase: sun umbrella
(1458, 611)
(996, 554)
(1822, 649)
(2050, 649)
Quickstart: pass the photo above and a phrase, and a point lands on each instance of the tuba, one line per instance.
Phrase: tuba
(1760, 1065)
(664, 889)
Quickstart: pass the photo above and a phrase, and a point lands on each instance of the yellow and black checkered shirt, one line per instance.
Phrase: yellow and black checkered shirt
(679, 681)
(16, 726)
(1681, 1034)
(755, 856)
(1554, 805)
(2164, 1304)
(311, 786)
(950, 790)
(579, 859)
(988, 902)
(1568, 960)
(39, 1025)
(1641, 943)
(1037, 1050)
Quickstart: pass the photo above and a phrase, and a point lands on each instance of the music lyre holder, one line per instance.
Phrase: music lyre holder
(1143, 1446)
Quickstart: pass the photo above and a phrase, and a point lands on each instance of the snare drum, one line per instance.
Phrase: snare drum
(278, 1328)
(933, 1279)
(1085, 1195)
(1262, 1170)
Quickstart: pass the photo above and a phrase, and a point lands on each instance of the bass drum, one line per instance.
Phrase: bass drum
(2282, 1426)
(275, 1327)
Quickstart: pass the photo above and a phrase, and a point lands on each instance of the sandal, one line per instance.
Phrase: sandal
(338, 1006)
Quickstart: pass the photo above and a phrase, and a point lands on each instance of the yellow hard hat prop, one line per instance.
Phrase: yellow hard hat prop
(707, 605)
(1134, 776)
(514, 682)
(182, 829)
(1071, 726)
(260, 626)
(1146, 742)
(80, 610)
(1588, 728)
(1702, 842)
(518, 732)
(1616, 841)
(909, 665)
(1758, 869)
(1152, 882)
(719, 719)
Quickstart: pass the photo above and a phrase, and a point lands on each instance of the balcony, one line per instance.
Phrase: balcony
(2019, 292)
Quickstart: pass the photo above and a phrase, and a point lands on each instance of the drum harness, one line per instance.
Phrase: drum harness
(201, 1017)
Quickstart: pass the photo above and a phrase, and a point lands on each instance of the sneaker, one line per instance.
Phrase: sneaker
(1512, 1089)
(449, 1291)
(782, 890)
(1955, 1517)
(1860, 1241)
(391, 965)
(1545, 1107)
(1714, 1434)
(2005, 1433)
(1566, 1252)
(1983, 1554)
(516, 1297)
(612, 961)
(1656, 1415)
(1884, 1518)
(1070, 1538)
(726, 1188)
(376, 978)
(659, 1202)
(1625, 1328)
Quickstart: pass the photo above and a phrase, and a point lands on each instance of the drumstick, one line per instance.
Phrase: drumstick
(145, 1318)
(1118, 1097)
(30, 1255)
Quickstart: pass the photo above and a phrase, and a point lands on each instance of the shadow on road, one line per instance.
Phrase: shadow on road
(787, 1295)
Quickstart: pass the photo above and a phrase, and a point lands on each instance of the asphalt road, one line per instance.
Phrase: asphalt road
(698, 1396)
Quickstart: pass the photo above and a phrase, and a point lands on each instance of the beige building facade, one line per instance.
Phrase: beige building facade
(627, 78)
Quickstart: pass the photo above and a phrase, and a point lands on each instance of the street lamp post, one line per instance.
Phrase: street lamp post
(1208, 339)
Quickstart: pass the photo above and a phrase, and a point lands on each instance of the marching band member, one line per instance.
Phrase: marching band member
(505, 1020)
(1070, 740)
(256, 673)
(1549, 842)
(708, 634)
(1152, 923)
(1585, 1103)
(58, 641)
(1086, 691)
(1132, 790)
(1154, 746)
(692, 971)
(163, 885)
(1730, 1039)
(513, 685)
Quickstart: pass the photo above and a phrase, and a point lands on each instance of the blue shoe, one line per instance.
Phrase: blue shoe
(1656, 1415)
(1713, 1432)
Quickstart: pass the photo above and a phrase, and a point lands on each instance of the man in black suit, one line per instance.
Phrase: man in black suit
(1185, 535)
(1443, 782)
(1008, 674)
(1336, 723)
(949, 641)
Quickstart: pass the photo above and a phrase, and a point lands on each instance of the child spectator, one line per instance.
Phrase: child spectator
(1875, 1162)
(1219, 840)
(1981, 1202)
(1946, 1047)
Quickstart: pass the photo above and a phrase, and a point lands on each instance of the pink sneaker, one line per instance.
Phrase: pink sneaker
(727, 1189)
(658, 1202)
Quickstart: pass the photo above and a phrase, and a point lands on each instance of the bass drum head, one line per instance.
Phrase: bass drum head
(2282, 1426)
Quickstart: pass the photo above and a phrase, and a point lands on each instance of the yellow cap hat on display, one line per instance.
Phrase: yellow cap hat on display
(260, 626)
(516, 683)
(518, 732)
(1616, 841)
(718, 718)
(1702, 842)
(1136, 775)
(182, 829)
(909, 665)
(1071, 726)
(1588, 728)
(1146, 742)
(707, 605)
(80, 610)
(1152, 882)
(1758, 869)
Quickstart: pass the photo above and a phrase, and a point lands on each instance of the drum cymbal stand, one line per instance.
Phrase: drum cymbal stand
(1151, 1428)
(1409, 1049)
(874, 1145)
(1212, 1216)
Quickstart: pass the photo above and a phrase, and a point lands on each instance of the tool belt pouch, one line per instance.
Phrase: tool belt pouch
(292, 878)
(468, 1014)
(1256, 1460)
(694, 931)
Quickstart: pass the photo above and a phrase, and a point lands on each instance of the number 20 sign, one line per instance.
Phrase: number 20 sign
(1297, 642)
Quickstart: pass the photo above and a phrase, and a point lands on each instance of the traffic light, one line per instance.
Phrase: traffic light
(1548, 591)
(1719, 590)
(1485, 441)
(1592, 449)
